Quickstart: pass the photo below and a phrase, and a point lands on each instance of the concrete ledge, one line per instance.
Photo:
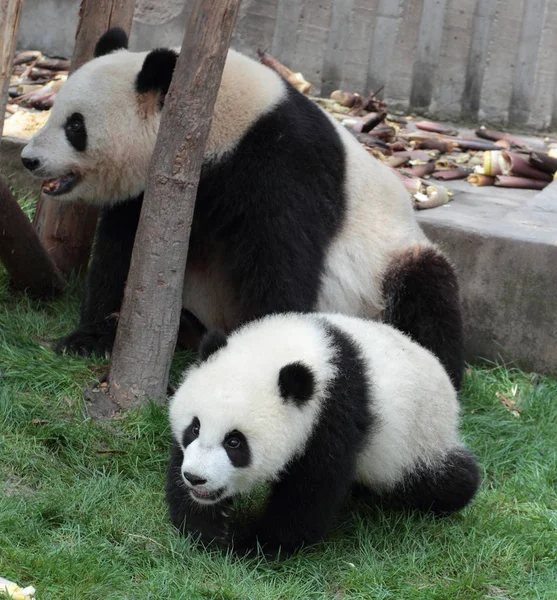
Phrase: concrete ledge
(504, 245)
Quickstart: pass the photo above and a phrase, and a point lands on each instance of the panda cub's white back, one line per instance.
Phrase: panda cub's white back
(314, 403)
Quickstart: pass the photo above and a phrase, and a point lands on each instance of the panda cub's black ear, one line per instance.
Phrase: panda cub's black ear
(156, 72)
(296, 382)
(212, 341)
(114, 39)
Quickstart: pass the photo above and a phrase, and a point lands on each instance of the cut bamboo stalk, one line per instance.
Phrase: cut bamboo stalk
(544, 162)
(295, 79)
(451, 174)
(480, 180)
(433, 127)
(521, 167)
(510, 181)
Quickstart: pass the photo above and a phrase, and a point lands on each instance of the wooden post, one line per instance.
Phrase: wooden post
(28, 265)
(21, 252)
(150, 313)
(67, 229)
(10, 11)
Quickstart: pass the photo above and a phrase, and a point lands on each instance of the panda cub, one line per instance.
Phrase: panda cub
(313, 404)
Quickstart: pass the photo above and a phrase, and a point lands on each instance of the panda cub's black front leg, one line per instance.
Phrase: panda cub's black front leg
(207, 523)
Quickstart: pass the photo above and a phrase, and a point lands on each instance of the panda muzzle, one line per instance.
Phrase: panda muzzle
(60, 185)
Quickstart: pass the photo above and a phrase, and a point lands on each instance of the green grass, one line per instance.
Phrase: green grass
(82, 513)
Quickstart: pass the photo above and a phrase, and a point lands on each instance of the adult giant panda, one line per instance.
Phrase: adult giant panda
(292, 214)
(313, 403)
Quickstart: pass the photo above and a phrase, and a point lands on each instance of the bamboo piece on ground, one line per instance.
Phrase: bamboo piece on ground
(67, 229)
(519, 166)
(450, 174)
(520, 182)
(544, 162)
(480, 180)
(150, 314)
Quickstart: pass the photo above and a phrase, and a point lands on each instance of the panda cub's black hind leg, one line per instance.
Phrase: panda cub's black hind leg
(443, 489)
(421, 295)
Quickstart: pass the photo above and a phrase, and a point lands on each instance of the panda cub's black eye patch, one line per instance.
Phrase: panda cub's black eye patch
(191, 432)
(75, 131)
(236, 445)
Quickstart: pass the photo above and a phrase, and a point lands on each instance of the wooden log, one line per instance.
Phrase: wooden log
(150, 314)
(22, 253)
(67, 229)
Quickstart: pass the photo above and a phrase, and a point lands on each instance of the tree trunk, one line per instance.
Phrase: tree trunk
(28, 265)
(150, 314)
(67, 229)
(10, 11)
(21, 252)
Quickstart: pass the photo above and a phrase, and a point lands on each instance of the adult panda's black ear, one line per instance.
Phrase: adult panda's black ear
(212, 341)
(156, 72)
(296, 382)
(114, 39)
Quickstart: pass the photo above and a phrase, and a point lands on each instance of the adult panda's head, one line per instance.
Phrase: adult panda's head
(98, 141)
(249, 406)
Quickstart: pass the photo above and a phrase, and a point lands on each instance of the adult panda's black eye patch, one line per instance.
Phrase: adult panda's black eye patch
(75, 131)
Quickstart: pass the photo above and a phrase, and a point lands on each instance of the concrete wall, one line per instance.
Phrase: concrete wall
(492, 60)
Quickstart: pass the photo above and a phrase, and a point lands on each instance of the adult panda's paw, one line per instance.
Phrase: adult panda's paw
(87, 342)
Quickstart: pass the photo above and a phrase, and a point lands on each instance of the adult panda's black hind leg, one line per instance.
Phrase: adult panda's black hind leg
(442, 488)
(105, 281)
(421, 295)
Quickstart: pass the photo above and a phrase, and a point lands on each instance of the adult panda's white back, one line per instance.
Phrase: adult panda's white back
(292, 214)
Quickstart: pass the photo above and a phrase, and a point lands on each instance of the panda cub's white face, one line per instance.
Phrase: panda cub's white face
(242, 415)
(99, 138)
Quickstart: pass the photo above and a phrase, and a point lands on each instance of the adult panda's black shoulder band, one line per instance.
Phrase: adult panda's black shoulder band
(114, 39)
(156, 72)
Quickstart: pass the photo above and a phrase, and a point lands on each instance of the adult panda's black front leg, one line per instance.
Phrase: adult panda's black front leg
(208, 523)
(105, 281)
(421, 294)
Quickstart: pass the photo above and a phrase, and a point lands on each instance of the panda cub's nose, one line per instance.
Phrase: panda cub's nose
(31, 163)
(194, 479)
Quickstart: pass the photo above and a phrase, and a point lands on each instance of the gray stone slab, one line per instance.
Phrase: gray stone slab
(504, 245)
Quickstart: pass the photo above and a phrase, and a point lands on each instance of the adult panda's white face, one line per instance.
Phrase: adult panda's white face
(241, 415)
(98, 141)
